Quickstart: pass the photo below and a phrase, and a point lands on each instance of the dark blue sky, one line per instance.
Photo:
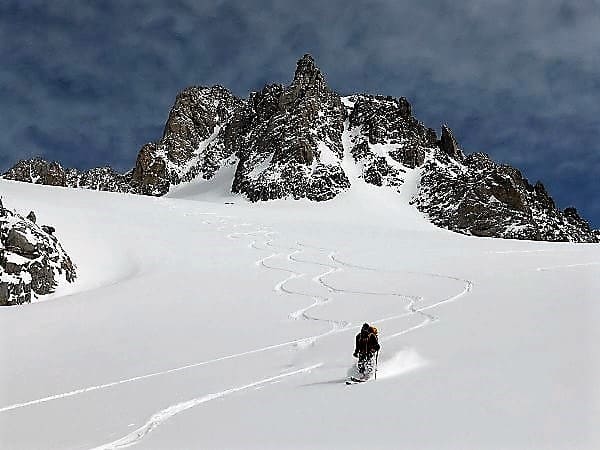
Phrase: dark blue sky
(87, 83)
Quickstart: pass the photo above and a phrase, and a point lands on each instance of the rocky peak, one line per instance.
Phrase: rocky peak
(448, 144)
(294, 145)
(191, 145)
(307, 74)
(196, 113)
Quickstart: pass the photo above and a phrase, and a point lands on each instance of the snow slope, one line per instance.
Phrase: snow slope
(200, 320)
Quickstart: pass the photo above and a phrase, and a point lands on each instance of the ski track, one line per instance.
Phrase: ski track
(509, 252)
(160, 417)
(548, 268)
(567, 266)
(265, 237)
(468, 286)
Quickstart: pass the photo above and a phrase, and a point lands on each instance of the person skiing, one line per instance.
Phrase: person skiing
(367, 345)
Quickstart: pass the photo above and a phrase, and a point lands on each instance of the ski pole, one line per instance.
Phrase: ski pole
(376, 358)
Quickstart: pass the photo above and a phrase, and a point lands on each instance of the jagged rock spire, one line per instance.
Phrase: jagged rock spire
(449, 145)
(308, 74)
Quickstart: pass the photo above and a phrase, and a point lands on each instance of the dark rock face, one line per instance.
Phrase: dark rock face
(104, 179)
(448, 144)
(384, 139)
(290, 140)
(39, 171)
(150, 174)
(305, 141)
(192, 144)
(32, 261)
(483, 198)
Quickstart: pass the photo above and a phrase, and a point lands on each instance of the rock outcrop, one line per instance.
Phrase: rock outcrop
(384, 139)
(39, 171)
(32, 261)
(193, 141)
(480, 197)
(448, 144)
(301, 140)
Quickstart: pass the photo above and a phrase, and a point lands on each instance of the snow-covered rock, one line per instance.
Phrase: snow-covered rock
(192, 144)
(480, 197)
(385, 139)
(32, 261)
(294, 138)
(39, 171)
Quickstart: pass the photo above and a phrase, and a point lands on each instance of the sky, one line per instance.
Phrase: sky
(88, 83)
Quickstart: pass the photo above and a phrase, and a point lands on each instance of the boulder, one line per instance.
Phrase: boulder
(19, 242)
(32, 261)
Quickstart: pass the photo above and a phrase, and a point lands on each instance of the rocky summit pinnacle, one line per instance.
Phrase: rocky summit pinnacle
(299, 140)
(308, 74)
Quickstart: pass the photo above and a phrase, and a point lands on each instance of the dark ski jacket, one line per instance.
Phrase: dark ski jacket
(366, 344)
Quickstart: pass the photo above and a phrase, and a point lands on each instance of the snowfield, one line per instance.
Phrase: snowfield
(200, 320)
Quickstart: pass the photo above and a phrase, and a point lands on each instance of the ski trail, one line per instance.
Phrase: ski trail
(373, 269)
(567, 266)
(317, 300)
(292, 275)
(162, 416)
(280, 287)
(425, 322)
(154, 374)
(296, 342)
(545, 250)
(468, 284)
(381, 294)
(412, 308)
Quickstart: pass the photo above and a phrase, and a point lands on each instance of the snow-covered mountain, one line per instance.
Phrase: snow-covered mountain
(304, 140)
(202, 320)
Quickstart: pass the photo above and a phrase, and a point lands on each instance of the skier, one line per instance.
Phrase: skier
(367, 345)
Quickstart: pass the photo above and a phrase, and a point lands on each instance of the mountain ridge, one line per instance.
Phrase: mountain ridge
(288, 142)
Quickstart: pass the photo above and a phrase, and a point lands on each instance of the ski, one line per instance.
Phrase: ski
(354, 380)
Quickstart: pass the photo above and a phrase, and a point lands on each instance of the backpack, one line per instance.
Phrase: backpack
(364, 342)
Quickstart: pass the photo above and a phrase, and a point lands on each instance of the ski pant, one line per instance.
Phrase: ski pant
(366, 364)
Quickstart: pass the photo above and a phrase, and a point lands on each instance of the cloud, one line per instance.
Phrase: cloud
(90, 83)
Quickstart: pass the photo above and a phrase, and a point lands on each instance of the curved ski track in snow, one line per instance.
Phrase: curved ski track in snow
(412, 308)
(292, 275)
(149, 375)
(162, 416)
